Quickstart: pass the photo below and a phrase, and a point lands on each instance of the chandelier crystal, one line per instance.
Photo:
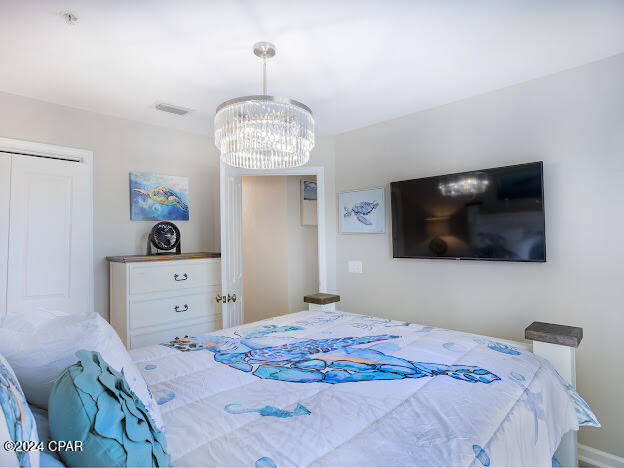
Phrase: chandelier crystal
(264, 132)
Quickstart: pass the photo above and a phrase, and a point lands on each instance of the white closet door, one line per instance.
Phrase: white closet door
(5, 196)
(232, 246)
(50, 248)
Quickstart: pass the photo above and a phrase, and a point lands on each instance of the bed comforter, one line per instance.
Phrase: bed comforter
(338, 389)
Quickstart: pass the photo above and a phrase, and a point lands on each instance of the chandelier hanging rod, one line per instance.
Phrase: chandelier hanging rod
(264, 50)
(264, 76)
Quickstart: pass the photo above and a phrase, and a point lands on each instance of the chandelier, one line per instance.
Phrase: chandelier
(264, 132)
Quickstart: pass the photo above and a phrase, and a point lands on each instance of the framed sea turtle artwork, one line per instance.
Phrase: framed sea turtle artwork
(157, 197)
(362, 211)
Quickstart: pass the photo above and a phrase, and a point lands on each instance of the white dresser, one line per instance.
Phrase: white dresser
(154, 299)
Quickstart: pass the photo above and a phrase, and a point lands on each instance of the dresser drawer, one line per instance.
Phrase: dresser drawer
(154, 312)
(171, 276)
(145, 339)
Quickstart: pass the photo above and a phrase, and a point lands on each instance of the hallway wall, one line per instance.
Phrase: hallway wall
(265, 247)
(303, 270)
(280, 255)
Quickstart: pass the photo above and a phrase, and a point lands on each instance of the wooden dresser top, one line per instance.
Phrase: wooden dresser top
(162, 257)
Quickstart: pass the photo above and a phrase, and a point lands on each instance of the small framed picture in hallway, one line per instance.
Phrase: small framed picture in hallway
(308, 203)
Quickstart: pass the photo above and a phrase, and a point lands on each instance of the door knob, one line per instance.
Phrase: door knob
(231, 298)
(219, 298)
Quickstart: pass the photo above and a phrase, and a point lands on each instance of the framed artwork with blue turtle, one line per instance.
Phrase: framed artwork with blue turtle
(157, 197)
(362, 211)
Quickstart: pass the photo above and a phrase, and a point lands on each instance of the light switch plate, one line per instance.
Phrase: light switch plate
(355, 266)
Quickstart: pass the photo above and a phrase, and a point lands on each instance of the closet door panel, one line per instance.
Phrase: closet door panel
(49, 236)
(5, 195)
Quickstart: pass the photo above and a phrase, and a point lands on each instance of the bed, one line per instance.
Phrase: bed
(326, 388)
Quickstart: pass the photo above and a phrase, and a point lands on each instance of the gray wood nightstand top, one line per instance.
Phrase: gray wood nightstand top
(553, 333)
(321, 298)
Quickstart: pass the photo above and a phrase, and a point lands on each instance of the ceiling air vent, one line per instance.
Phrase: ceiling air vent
(177, 110)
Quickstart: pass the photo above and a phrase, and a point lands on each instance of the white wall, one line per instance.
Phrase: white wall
(302, 249)
(574, 122)
(121, 146)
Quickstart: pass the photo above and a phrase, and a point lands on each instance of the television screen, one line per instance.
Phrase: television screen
(490, 214)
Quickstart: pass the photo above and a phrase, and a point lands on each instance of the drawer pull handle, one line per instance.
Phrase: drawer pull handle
(182, 277)
(219, 298)
(177, 308)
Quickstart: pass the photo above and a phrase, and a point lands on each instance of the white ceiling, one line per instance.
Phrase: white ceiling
(354, 63)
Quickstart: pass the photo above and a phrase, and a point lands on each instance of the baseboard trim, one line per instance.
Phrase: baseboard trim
(598, 458)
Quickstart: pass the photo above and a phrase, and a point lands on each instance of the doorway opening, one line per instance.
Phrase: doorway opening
(279, 244)
(232, 277)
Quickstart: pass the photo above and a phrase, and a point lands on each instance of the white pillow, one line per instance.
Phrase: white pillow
(17, 423)
(40, 345)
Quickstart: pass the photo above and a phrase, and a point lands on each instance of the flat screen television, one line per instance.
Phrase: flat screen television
(490, 214)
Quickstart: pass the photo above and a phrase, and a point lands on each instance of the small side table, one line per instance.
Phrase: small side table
(321, 301)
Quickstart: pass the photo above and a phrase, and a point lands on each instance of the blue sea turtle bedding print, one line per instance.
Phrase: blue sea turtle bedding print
(18, 430)
(338, 389)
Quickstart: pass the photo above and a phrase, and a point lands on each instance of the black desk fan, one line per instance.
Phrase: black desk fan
(164, 236)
